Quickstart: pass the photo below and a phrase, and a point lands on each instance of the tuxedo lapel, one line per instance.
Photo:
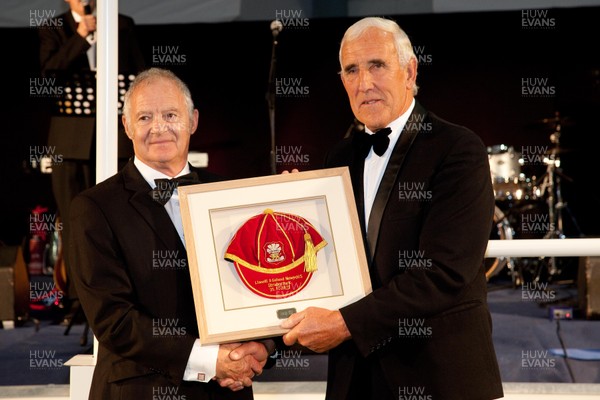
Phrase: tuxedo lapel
(357, 167)
(409, 133)
(357, 175)
(152, 212)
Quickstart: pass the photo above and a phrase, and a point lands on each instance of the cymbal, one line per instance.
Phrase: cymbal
(558, 151)
(554, 121)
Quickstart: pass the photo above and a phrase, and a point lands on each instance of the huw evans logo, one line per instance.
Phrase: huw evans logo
(44, 359)
(291, 87)
(537, 19)
(167, 393)
(413, 328)
(413, 191)
(413, 393)
(413, 259)
(292, 19)
(168, 259)
(168, 55)
(291, 156)
(167, 327)
(537, 87)
(291, 359)
(44, 19)
(537, 359)
(45, 87)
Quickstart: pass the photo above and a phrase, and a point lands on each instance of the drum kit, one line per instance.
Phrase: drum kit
(527, 206)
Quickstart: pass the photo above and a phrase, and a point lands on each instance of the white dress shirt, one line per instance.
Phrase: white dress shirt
(202, 363)
(375, 165)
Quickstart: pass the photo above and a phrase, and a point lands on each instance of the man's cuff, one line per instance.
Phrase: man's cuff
(202, 363)
(91, 39)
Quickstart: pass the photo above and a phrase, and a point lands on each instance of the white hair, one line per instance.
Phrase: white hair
(401, 41)
(151, 75)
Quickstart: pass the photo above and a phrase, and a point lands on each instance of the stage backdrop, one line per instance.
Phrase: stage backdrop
(496, 72)
(500, 73)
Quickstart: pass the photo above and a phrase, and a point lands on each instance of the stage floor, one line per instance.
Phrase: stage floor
(527, 342)
(316, 391)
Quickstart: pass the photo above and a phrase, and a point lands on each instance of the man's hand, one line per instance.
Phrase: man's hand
(87, 25)
(238, 363)
(293, 171)
(316, 328)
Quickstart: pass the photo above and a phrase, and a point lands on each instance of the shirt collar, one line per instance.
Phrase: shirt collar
(150, 174)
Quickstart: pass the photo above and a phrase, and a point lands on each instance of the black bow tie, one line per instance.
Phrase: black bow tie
(165, 187)
(379, 141)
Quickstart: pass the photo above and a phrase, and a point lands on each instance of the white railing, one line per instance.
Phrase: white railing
(543, 248)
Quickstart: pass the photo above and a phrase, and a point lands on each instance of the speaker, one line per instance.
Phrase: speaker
(14, 284)
(588, 286)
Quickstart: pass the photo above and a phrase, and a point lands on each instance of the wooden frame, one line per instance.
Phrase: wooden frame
(226, 310)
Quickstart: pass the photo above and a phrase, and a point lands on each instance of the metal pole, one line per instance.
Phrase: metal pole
(107, 113)
(107, 69)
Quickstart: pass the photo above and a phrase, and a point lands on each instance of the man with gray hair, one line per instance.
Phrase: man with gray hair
(133, 276)
(424, 196)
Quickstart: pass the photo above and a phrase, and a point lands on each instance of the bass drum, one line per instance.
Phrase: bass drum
(510, 184)
(504, 162)
(501, 230)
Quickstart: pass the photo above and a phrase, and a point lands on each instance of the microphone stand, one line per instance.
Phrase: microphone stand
(271, 103)
(555, 200)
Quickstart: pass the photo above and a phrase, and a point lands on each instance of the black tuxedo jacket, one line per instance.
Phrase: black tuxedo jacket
(426, 325)
(134, 285)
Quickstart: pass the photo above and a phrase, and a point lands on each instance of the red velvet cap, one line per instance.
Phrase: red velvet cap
(275, 253)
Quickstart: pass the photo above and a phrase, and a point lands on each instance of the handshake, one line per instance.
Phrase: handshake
(239, 363)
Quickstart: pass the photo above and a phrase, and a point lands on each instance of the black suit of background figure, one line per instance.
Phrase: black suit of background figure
(64, 48)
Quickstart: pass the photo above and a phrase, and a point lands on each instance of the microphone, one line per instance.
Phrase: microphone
(276, 27)
(87, 8)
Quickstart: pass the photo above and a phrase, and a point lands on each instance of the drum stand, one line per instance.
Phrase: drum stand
(548, 192)
(551, 185)
(555, 205)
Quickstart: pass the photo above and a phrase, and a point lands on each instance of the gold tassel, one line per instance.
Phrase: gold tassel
(310, 255)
